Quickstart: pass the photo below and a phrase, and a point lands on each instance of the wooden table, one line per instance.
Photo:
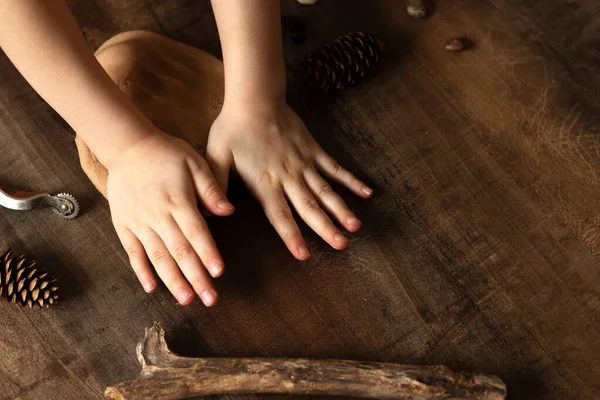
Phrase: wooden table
(480, 250)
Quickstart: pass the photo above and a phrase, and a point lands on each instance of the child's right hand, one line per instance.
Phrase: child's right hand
(153, 186)
(153, 189)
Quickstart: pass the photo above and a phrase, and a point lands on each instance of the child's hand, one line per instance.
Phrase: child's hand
(278, 159)
(153, 189)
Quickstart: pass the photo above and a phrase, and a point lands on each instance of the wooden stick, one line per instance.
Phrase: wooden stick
(167, 376)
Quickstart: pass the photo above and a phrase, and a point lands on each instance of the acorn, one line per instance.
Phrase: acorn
(416, 9)
(455, 45)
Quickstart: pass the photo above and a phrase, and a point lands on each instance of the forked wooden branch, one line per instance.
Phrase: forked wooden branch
(168, 376)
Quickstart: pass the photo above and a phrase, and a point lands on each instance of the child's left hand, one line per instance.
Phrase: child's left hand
(279, 161)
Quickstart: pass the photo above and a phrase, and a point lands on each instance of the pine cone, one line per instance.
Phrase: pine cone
(344, 62)
(21, 282)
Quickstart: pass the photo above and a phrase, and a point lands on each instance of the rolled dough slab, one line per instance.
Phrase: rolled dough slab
(178, 87)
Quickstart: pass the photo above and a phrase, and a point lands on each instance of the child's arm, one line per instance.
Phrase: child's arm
(43, 41)
(154, 179)
(266, 142)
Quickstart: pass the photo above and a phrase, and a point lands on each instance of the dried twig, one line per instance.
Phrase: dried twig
(168, 376)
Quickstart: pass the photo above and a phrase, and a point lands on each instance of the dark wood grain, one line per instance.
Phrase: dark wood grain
(480, 250)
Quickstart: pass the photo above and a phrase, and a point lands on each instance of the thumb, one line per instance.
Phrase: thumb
(209, 192)
(220, 170)
(220, 165)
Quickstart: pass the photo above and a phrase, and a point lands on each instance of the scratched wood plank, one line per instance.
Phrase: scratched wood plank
(480, 251)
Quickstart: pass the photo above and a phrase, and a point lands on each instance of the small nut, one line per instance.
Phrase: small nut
(416, 8)
(455, 45)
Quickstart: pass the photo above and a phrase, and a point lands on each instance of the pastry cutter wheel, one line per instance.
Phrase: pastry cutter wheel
(65, 205)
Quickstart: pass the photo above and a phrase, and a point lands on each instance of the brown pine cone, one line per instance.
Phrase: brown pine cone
(344, 62)
(23, 283)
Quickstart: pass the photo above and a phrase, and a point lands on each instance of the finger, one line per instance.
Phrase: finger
(165, 266)
(280, 216)
(198, 235)
(187, 259)
(309, 210)
(209, 191)
(330, 201)
(137, 259)
(220, 165)
(334, 171)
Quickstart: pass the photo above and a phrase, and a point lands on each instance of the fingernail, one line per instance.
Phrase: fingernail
(340, 238)
(353, 221)
(208, 297)
(225, 205)
(183, 296)
(216, 268)
(303, 251)
(148, 286)
(367, 190)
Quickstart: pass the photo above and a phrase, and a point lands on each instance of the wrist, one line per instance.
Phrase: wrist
(255, 102)
(111, 127)
(111, 150)
(257, 97)
(261, 86)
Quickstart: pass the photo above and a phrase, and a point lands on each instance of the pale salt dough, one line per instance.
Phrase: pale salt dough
(178, 87)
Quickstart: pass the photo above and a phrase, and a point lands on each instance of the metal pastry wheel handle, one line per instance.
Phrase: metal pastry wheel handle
(65, 205)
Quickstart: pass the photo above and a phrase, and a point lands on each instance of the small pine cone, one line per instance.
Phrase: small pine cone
(21, 282)
(344, 62)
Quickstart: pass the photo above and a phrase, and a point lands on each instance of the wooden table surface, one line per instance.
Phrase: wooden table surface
(480, 249)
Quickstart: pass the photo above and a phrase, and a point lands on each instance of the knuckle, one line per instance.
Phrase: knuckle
(181, 251)
(267, 178)
(336, 167)
(196, 233)
(287, 167)
(132, 251)
(135, 225)
(280, 215)
(324, 190)
(176, 198)
(212, 190)
(158, 256)
(309, 205)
